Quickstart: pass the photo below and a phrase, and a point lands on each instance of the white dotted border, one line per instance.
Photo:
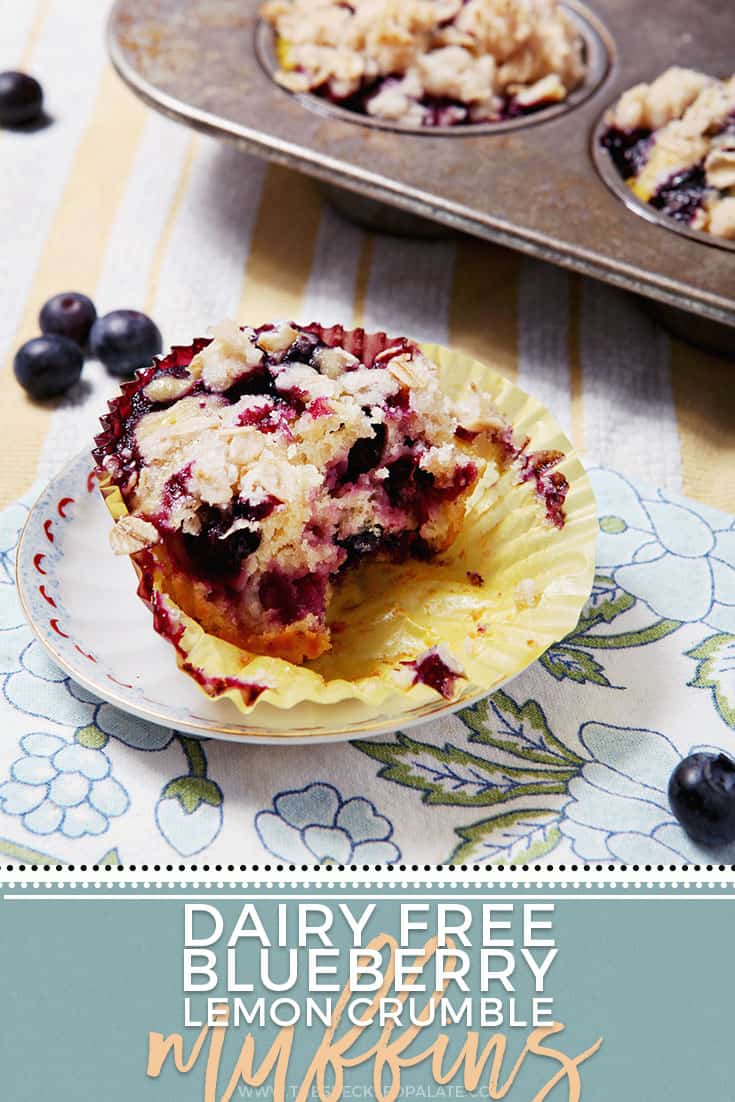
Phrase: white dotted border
(575, 877)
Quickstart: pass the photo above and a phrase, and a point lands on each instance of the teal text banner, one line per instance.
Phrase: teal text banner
(458, 990)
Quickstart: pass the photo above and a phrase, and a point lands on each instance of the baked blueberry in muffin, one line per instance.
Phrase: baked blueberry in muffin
(673, 141)
(429, 62)
(259, 465)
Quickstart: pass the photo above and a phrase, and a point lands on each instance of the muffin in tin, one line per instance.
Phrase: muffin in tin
(673, 141)
(259, 466)
(429, 63)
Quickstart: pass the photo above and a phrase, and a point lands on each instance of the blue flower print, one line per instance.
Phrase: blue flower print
(64, 787)
(314, 824)
(189, 831)
(37, 687)
(677, 558)
(189, 812)
(619, 808)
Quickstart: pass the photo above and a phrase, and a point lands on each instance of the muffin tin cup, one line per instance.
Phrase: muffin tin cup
(609, 174)
(377, 217)
(598, 56)
(709, 336)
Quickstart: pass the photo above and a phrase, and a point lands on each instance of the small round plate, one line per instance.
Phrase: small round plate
(81, 602)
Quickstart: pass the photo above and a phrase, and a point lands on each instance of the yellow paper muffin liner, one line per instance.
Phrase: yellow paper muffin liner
(510, 586)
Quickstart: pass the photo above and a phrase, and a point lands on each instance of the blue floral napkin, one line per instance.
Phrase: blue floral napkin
(569, 762)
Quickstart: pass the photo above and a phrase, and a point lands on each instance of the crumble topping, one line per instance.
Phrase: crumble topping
(278, 338)
(429, 62)
(307, 383)
(333, 362)
(132, 534)
(167, 387)
(230, 356)
(722, 218)
(719, 166)
(674, 142)
(653, 105)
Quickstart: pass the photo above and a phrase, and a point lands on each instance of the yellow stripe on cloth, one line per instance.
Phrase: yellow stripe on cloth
(73, 255)
(164, 240)
(281, 250)
(363, 277)
(42, 13)
(704, 395)
(483, 314)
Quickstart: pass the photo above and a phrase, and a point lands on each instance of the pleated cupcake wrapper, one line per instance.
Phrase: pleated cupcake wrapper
(510, 586)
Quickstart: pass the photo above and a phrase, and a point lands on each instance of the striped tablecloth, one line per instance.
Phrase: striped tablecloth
(115, 201)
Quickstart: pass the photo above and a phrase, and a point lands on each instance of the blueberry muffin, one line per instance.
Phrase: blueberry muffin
(427, 63)
(258, 466)
(673, 141)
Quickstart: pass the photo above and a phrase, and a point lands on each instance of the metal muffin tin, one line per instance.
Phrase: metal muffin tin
(533, 187)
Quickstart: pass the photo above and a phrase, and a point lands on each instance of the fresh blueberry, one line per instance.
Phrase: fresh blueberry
(125, 340)
(21, 99)
(48, 366)
(68, 315)
(702, 796)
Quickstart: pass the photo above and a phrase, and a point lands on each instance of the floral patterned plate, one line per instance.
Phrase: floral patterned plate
(81, 602)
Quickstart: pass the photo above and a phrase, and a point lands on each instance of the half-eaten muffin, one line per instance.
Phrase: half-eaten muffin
(258, 465)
